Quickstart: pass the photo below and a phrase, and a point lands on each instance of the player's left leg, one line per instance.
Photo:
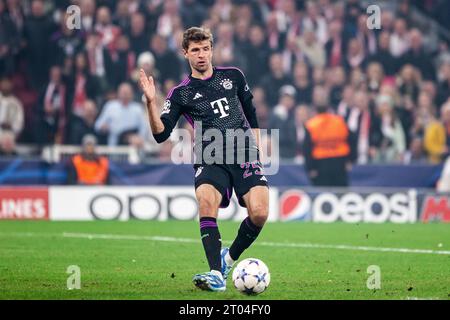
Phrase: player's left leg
(257, 203)
(252, 190)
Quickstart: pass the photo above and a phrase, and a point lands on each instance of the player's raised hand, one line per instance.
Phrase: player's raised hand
(147, 86)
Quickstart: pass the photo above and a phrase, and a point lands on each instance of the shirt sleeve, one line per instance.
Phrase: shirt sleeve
(104, 117)
(243, 91)
(169, 116)
(246, 96)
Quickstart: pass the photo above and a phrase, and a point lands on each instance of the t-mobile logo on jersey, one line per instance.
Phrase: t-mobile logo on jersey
(223, 106)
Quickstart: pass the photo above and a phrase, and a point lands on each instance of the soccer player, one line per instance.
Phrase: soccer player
(218, 98)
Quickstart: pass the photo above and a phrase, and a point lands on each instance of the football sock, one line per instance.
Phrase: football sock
(248, 232)
(211, 242)
(228, 258)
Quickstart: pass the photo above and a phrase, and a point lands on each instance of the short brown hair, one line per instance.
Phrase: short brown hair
(196, 34)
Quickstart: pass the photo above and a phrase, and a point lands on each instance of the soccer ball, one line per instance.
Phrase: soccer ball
(251, 276)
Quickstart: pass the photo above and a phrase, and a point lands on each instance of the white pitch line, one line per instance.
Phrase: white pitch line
(92, 236)
(267, 244)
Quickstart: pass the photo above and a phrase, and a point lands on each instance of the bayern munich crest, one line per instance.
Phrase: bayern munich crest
(227, 84)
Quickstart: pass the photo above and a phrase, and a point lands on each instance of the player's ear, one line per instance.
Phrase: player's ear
(185, 53)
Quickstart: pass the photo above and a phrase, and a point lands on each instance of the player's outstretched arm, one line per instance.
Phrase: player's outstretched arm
(148, 87)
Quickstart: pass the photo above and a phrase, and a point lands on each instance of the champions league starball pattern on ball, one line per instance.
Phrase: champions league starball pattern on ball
(251, 276)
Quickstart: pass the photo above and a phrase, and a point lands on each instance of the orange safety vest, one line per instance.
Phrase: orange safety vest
(91, 171)
(329, 135)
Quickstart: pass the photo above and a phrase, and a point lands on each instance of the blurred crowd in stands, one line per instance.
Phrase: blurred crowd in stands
(392, 85)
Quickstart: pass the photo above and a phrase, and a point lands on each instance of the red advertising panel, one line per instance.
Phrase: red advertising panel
(436, 208)
(24, 203)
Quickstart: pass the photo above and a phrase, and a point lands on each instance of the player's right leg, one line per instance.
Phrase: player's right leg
(211, 193)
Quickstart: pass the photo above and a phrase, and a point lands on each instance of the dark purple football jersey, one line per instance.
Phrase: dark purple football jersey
(216, 102)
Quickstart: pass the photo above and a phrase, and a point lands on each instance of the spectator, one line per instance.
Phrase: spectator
(437, 137)
(124, 61)
(65, 42)
(352, 11)
(241, 37)
(84, 124)
(138, 34)
(166, 62)
(100, 62)
(429, 87)
(393, 141)
(358, 79)
(226, 51)
(37, 30)
(81, 85)
(312, 49)
(191, 12)
(123, 120)
(291, 54)
(273, 81)
(384, 56)
(262, 109)
(409, 86)
(364, 125)
(302, 115)
(87, 167)
(17, 15)
(168, 19)
(223, 8)
(346, 102)
(335, 46)
(289, 18)
(444, 84)
(416, 153)
(302, 83)
(338, 80)
(366, 36)
(283, 119)
(399, 42)
(107, 31)
(355, 57)
(7, 145)
(257, 55)
(145, 61)
(417, 56)
(375, 77)
(318, 76)
(11, 110)
(315, 22)
(121, 16)
(52, 110)
(275, 37)
(327, 146)
(87, 9)
(9, 42)
(423, 115)
(387, 21)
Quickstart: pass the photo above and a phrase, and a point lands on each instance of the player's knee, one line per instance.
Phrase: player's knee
(259, 214)
(207, 206)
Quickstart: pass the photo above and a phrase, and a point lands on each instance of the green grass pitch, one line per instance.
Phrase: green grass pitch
(124, 260)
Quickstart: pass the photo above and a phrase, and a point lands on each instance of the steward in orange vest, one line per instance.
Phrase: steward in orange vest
(88, 168)
(328, 149)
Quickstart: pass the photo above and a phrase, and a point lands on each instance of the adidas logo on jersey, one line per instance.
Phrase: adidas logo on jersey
(197, 95)
(263, 179)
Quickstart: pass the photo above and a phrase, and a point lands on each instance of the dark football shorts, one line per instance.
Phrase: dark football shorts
(225, 177)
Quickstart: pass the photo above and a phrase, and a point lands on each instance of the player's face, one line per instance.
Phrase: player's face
(199, 55)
